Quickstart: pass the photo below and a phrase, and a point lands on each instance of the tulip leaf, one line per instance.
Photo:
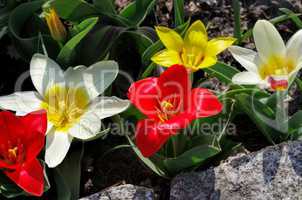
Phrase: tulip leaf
(155, 167)
(23, 16)
(190, 158)
(67, 53)
(98, 43)
(262, 115)
(296, 20)
(136, 11)
(295, 125)
(179, 13)
(223, 72)
(74, 10)
(105, 6)
(68, 174)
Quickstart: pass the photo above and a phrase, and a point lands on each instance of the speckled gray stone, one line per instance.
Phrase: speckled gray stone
(123, 192)
(274, 173)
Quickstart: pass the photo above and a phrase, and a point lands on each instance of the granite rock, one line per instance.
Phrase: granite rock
(123, 192)
(273, 173)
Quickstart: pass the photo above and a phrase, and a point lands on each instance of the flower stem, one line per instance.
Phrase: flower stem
(282, 112)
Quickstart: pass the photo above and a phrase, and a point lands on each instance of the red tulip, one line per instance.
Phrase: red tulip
(21, 140)
(170, 104)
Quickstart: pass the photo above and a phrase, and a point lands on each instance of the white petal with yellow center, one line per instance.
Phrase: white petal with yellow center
(268, 40)
(44, 73)
(57, 146)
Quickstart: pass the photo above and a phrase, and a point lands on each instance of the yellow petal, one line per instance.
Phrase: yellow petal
(218, 45)
(196, 35)
(208, 61)
(170, 38)
(167, 58)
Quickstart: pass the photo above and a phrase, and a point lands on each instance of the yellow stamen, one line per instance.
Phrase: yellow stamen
(12, 153)
(65, 105)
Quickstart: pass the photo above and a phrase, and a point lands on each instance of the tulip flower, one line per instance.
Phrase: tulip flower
(55, 25)
(170, 105)
(194, 51)
(274, 64)
(71, 100)
(22, 139)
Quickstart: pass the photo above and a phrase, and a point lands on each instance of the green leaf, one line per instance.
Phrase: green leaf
(105, 6)
(179, 13)
(299, 83)
(297, 21)
(223, 72)
(155, 167)
(68, 175)
(262, 115)
(237, 20)
(136, 11)
(74, 10)
(190, 158)
(19, 19)
(67, 53)
(142, 42)
(295, 125)
(97, 44)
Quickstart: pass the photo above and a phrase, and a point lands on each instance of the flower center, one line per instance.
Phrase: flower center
(166, 111)
(12, 154)
(276, 66)
(65, 106)
(192, 57)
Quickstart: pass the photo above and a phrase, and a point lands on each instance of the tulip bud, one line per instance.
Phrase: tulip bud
(55, 25)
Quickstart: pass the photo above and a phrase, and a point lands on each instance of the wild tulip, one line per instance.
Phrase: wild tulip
(21, 140)
(275, 64)
(170, 104)
(194, 52)
(71, 101)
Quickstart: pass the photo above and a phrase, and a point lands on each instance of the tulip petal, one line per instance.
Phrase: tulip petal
(45, 72)
(99, 76)
(204, 103)
(208, 61)
(268, 40)
(196, 35)
(294, 47)
(21, 101)
(30, 177)
(88, 126)
(148, 138)
(167, 58)
(246, 78)
(74, 76)
(57, 146)
(218, 45)
(35, 124)
(170, 38)
(144, 94)
(175, 85)
(246, 57)
(105, 107)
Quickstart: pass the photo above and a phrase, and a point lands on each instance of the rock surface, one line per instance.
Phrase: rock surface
(123, 192)
(273, 173)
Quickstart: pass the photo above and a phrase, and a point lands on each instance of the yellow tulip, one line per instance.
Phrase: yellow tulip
(55, 25)
(195, 51)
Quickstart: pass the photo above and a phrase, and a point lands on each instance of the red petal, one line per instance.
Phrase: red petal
(11, 129)
(175, 85)
(144, 94)
(30, 178)
(204, 103)
(35, 124)
(148, 138)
